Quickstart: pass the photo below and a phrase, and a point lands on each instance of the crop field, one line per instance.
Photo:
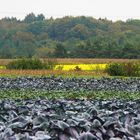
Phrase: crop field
(68, 115)
(74, 101)
(69, 67)
(65, 67)
(90, 61)
(53, 108)
(16, 73)
(85, 67)
(4, 62)
(52, 83)
(44, 119)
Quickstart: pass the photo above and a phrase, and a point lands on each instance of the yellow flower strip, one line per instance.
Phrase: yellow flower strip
(87, 67)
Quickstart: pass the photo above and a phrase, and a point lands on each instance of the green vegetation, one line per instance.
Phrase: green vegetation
(124, 69)
(33, 94)
(69, 37)
(26, 64)
(30, 64)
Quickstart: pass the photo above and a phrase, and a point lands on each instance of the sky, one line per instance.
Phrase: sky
(110, 9)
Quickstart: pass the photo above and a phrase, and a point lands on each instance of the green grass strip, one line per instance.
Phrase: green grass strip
(33, 94)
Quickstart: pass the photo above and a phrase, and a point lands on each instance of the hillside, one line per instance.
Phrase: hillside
(69, 37)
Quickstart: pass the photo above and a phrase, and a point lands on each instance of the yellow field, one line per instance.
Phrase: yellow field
(2, 67)
(85, 67)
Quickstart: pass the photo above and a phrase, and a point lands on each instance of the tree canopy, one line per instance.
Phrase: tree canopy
(76, 37)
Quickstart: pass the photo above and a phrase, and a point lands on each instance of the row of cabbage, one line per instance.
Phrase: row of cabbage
(44, 119)
(131, 85)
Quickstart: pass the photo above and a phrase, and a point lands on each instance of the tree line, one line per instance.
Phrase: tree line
(69, 37)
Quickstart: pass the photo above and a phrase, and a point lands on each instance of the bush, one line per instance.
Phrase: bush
(124, 69)
(115, 69)
(77, 68)
(26, 64)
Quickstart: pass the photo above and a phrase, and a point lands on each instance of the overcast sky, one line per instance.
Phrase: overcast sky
(111, 9)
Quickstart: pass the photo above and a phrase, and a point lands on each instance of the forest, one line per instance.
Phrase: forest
(69, 37)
